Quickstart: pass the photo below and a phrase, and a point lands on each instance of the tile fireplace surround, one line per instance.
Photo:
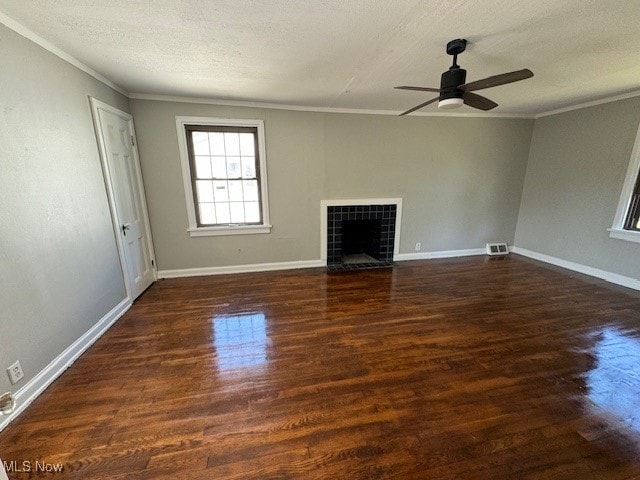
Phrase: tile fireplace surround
(335, 212)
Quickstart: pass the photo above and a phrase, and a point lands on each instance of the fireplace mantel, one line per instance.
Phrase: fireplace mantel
(324, 204)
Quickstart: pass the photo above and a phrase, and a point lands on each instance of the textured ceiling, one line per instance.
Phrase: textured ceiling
(347, 53)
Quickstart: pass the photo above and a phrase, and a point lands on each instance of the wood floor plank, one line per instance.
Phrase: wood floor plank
(469, 368)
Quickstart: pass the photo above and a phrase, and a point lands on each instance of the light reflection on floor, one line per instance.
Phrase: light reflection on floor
(240, 340)
(614, 384)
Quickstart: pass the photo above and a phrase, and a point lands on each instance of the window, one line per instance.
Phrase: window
(626, 225)
(633, 217)
(224, 169)
(224, 175)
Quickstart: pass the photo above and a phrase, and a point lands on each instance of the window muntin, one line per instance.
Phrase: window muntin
(225, 175)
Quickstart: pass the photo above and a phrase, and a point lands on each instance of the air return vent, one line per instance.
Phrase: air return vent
(497, 249)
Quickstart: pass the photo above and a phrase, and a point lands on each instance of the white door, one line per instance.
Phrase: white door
(124, 184)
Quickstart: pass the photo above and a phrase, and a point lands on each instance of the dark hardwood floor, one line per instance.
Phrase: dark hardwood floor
(470, 368)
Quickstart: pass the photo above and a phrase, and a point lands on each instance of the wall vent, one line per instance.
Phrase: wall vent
(497, 249)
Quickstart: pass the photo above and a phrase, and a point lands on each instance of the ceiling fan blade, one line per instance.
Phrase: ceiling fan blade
(497, 80)
(418, 107)
(419, 89)
(478, 101)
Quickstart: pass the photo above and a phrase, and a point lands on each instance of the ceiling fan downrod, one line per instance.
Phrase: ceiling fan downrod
(455, 48)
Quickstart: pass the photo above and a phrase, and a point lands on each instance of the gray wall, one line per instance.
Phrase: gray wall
(58, 259)
(576, 169)
(460, 179)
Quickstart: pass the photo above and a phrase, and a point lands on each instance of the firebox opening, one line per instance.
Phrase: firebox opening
(361, 241)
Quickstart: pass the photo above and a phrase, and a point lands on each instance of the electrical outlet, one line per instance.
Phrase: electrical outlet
(418, 246)
(15, 372)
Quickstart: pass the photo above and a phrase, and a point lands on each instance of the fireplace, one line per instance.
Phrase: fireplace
(361, 236)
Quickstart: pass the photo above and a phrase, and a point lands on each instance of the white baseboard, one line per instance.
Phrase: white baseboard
(401, 257)
(30, 391)
(256, 267)
(577, 267)
(266, 267)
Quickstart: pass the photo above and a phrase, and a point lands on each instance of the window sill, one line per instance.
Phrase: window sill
(237, 230)
(628, 235)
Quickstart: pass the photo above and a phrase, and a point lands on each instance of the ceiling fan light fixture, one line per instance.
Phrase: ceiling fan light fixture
(455, 91)
(450, 103)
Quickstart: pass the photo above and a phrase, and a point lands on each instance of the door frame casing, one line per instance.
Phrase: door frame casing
(99, 105)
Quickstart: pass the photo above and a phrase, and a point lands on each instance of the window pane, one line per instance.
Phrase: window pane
(252, 212)
(200, 143)
(247, 144)
(248, 167)
(235, 191)
(204, 191)
(250, 190)
(221, 193)
(219, 169)
(207, 213)
(233, 167)
(216, 142)
(237, 212)
(222, 213)
(203, 167)
(232, 143)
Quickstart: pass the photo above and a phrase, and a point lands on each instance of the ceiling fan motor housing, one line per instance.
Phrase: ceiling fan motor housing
(450, 81)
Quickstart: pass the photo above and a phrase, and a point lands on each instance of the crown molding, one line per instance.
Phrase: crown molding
(303, 108)
(37, 39)
(591, 103)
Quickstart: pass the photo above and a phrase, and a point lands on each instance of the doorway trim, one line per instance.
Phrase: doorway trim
(99, 105)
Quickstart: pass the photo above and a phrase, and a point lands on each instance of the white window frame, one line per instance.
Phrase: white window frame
(198, 231)
(617, 229)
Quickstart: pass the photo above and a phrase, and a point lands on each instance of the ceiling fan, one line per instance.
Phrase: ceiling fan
(454, 91)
